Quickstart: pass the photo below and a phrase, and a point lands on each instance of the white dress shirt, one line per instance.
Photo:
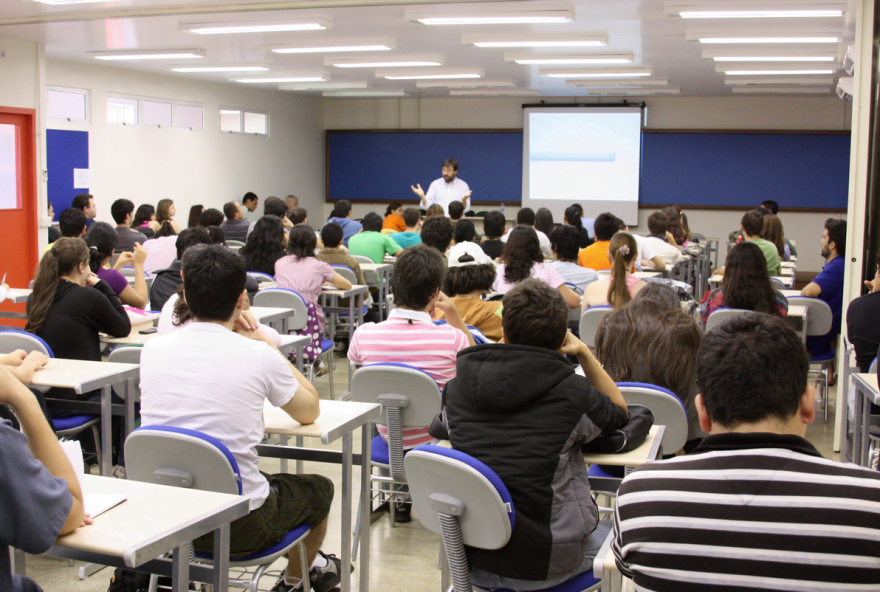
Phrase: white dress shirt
(443, 193)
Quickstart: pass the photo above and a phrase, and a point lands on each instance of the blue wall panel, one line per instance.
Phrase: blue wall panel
(65, 151)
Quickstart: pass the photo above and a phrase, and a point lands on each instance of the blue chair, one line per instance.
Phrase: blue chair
(589, 322)
(819, 322)
(261, 277)
(179, 457)
(479, 337)
(466, 503)
(349, 274)
(574, 314)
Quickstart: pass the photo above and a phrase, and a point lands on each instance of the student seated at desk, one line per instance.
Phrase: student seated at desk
(145, 220)
(437, 232)
(862, 326)
(774, 233)
(745, 285)
(412, 218)
(370, 242)
(102, 239)
(333, 253)
(207, 365)
(828, 285)
(526, 217)
(519, 407)
(572, 217)
(621, 286)
(218, 237)
(265, 245)
(755, 506)
(595, 256)
(40, 496)
(161, 249)
(302, 272)
(467, 280)
(493, 229)
(564, 242)
(165, 212)
(71, 223)
(167, 280)
(342, 215)
(122, 211)
(394, 218)
(464, 234)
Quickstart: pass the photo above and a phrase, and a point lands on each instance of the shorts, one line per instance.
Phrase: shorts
(293, 500)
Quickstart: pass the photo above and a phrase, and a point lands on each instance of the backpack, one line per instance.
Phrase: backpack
(627, 438)
(129, 580)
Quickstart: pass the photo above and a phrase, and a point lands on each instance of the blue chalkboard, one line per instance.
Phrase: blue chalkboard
(65, 150)
(807, 170)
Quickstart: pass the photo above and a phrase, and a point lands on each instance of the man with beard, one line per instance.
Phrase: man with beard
(447, 189)
(828, 285)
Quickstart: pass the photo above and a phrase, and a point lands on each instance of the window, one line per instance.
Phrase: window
(230, 120)
(122, 110)
(248, 122)
(189, 116)
(156, 113)
(9, 182)
(68, 103)
(256, 123)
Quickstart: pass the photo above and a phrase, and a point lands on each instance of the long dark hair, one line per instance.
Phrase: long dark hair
(521, 253)
(301, 241)
(102, 240)
(265, 241)
(64, 256)
(573, 217)
(774, 233)
(675, 227)
(143, 214)
(391, 207)
(195, 214)
(623, 249)
(167, 230)
(544, 221)
(746, 283)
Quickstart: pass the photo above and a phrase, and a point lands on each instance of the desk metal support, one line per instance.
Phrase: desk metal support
(180, 570)
(220, 575)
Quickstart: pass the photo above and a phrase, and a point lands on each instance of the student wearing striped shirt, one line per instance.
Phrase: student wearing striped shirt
(410, 337)
(755, 506)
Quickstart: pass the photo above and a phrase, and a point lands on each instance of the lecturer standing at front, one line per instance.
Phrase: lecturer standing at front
(445, 190)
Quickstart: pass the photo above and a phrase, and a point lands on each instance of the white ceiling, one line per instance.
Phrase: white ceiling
(639, 27)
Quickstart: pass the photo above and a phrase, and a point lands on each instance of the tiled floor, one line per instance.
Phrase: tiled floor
(403, 558)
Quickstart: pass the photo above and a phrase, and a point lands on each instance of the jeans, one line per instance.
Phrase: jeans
(484, 579)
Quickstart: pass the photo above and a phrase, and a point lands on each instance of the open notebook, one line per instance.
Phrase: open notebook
(95, 503)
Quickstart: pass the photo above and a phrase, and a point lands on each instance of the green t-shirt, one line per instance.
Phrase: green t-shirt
(373, 245)
(771, 254)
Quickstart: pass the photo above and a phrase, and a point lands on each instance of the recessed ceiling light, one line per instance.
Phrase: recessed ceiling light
(609, 92)
(495, 20)
(600, 74)
(703, 14)
(810, 80)
(465, 84)
(222, 69)
(364, 93)
(495, 93)
(568, 59)
(806, 90)
(822, 39)
(313, 86)
(436, 77)
(397, 62)
(142, 54)
(776, 72)
(774, 58)
(232, 27)
(532, 15)
(509, 41)
(616, 83)
(279, 79)
(286, 49)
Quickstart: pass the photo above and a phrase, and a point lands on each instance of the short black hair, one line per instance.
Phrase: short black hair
(452, 163)
(418, 274)
(120, 209)
(249, 196)
(837, 234)
(230, 209)
(494, 224)
(468, 278)
(606, 226)
(301, 241)
(771, 205)
(297, 215)
(71, 222)
(535, 314)
(81, 201)
(218, 237)
(331, 235)
(190, 237)
(464, 231)
(372, 222)
(526, 216)
(753, 223)
(211, 217)
(213, 281)
(456, 209)
(658, 223)
(274, 207)
(437, 232)
(750, 368)
(566, 242)
(341, 209)
(411, 217)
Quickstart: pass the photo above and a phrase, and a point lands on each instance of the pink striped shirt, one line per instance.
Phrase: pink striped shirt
(421, 344)
(305, 275)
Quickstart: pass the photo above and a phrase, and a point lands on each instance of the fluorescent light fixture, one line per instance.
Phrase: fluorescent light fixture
(568, 59)
(330, 48)
(700, 14)
(599, 74)
(492, 19)
(801, 90)
(617, 83)
(364, 93)
(765, 40)
(144, 54)
(395, 62)
(760, 81)
(533, 13)
(510, 41)
(232, 27)
(753, 10)
(610, 92)
(189, 69)
(60, 2)
(767, 58)
(495, 93)
(312, 86)
(465, 84)
(433, 74)
(279, 79)
(776, 72)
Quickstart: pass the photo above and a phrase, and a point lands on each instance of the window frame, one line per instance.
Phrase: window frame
(242, 111)
(82, 91)
(173, 102)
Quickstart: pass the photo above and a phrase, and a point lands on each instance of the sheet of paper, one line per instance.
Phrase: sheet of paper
(82, 178)
(95, 503)
(74, 453)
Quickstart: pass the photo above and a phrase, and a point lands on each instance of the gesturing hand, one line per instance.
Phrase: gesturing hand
(417, 189)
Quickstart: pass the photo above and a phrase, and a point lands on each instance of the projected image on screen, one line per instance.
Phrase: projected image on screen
(584, 156)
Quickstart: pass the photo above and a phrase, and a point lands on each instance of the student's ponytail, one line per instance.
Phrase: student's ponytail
(623, 250)
(102, 240)
(64, 256)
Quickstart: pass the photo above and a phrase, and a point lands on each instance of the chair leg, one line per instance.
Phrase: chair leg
(304, 562)
(330, 372)
(827, 370)
(96, 433)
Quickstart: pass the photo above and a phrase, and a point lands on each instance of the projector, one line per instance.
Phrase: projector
(845, 88)
(849, 60)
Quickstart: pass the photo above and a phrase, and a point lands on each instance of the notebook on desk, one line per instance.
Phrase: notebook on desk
(95, 504)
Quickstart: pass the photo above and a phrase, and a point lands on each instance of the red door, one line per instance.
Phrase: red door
(18, 201)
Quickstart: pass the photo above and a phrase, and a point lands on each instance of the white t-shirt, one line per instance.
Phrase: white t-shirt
(646, 251)
(205, 377)
(540, 271)
(443, 193)
(670, 255)
(166, 322)
(542, 239)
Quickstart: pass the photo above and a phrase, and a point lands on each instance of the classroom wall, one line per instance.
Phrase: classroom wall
(19, 74)
(146, 164)
(740, 113)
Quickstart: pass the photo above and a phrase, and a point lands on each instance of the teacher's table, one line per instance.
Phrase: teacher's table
(338, 419)
(866, 393)
(83, 377)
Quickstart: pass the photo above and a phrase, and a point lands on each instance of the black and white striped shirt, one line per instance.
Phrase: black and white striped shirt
(749, 512)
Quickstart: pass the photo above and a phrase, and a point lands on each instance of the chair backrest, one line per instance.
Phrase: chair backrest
(590, 320)
(390, 382)
(181, 458)
(128, 271)
(346, 272)
(114, 259)
(479, 337)
(698, 237)
(721, 315)
(668, 410)
(31, 284)
(441, 479)
(234, 244)
(284, 298)
(873, 368)
(261, 277)
(126, 354)
(13, 340)
(819, 316)
(362, 259)
(778, 283)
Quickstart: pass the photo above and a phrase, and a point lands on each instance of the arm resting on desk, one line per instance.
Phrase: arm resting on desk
(812, 290)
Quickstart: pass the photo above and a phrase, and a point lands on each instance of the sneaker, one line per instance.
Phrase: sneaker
(321, 579)
(402, 512)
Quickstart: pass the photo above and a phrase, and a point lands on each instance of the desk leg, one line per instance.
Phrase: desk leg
(857, 428)
(298, 442)
(299, 359)
(364, 518)
(345, 584)
(18, 558)
(283, 439)
(220, 577)
(352, 324)
(106, 432)
(180, 570)
(866, 429)
(129, 406)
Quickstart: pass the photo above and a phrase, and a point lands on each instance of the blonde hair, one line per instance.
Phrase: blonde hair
(623, 249)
